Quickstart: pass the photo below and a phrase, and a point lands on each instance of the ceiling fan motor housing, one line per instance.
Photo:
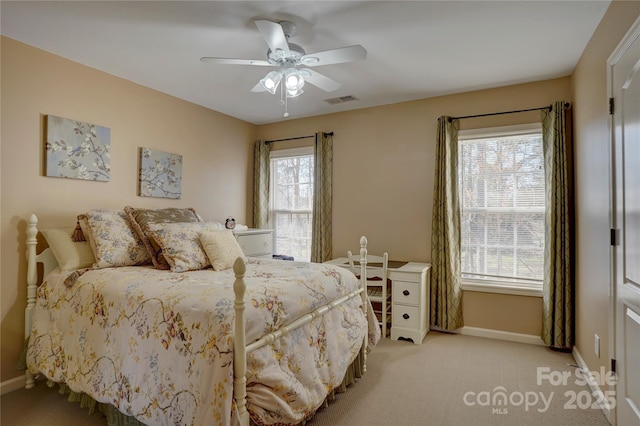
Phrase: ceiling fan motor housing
(288, 28)
(280, 57)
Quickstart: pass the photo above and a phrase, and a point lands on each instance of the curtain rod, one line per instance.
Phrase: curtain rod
(566, 105)
(298, 137)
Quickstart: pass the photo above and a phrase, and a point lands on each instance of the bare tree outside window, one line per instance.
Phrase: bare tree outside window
(502, 197)
(292, 205)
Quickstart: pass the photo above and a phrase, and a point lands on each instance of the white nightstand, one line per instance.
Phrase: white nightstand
(410, 293)
(255, 242)
(410, 301)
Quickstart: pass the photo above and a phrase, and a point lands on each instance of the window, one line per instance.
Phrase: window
(502, 202)
(291, 203)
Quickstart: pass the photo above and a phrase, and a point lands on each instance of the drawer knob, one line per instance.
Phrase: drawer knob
(405, 316)
(406, 292)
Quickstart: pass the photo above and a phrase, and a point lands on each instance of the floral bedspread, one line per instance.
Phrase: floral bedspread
(159, 345)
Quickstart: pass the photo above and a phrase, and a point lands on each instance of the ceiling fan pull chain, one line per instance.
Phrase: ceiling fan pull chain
(283, 100)
(282, 94)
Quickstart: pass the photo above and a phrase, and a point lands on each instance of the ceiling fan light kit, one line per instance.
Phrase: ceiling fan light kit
(287, 57)
(294, 82)
(270, 81)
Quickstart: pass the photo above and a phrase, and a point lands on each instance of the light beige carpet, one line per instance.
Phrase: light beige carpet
(452, 379)
(448, 380)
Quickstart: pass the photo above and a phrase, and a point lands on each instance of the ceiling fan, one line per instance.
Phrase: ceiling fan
(290, 61)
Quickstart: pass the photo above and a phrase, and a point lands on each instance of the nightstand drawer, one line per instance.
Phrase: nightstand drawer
(407, 293)
(256, 244)
(406, 316)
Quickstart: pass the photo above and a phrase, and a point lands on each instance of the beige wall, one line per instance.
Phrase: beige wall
(591, 119)
(383, 170)
(504, 312)
(217, 154)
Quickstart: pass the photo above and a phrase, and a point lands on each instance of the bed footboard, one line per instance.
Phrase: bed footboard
(239, 345)
(365, 297)
(241, 348)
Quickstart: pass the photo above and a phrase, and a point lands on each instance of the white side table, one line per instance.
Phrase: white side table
(255, 242)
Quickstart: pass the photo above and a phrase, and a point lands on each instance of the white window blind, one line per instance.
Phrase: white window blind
(292, 201)
(502, 197)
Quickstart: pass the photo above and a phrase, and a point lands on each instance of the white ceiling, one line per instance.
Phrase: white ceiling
(416, 49)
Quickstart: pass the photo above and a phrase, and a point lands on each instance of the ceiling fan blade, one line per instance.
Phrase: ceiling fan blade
(232, 61)
(335, 56)
(320, 80)
(273, 34)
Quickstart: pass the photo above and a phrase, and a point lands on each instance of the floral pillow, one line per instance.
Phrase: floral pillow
(180, 243)
(221, 248)
(141, 218)
(112, 239)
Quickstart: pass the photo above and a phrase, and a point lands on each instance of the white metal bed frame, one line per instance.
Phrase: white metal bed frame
(241, 348)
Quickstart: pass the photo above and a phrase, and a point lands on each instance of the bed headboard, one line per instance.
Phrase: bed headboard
(48, 261)
(46, 257)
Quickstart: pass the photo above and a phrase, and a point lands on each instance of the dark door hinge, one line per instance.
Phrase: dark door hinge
(613, 365)
(614, 239)
(611, 106)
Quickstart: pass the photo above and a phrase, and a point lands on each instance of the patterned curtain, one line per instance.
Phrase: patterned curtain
(558, 292)
(322, 199)
(446, 287)
(261, 184)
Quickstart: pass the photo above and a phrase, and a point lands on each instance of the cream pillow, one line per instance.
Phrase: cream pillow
(70, 255)
(221, 248)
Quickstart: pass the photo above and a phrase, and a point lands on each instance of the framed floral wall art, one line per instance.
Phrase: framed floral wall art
(77, 150)
(160, 174)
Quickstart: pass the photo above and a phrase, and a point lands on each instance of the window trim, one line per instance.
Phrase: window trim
(501, 287)
(292, 152)
(488, 132)
(490, 285)
(303, 151)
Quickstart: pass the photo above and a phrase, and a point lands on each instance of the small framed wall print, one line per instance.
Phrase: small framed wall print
(77, 150)
(160, 174)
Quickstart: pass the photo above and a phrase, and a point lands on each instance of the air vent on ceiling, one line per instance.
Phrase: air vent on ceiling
(341, 99)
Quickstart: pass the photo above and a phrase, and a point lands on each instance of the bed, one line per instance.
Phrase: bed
(263, 342)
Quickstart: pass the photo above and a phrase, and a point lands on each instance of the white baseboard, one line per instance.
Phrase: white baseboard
(13, 384)
(497, 334)
(593, 384)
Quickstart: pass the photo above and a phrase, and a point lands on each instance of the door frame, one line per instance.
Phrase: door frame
(631, 35)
